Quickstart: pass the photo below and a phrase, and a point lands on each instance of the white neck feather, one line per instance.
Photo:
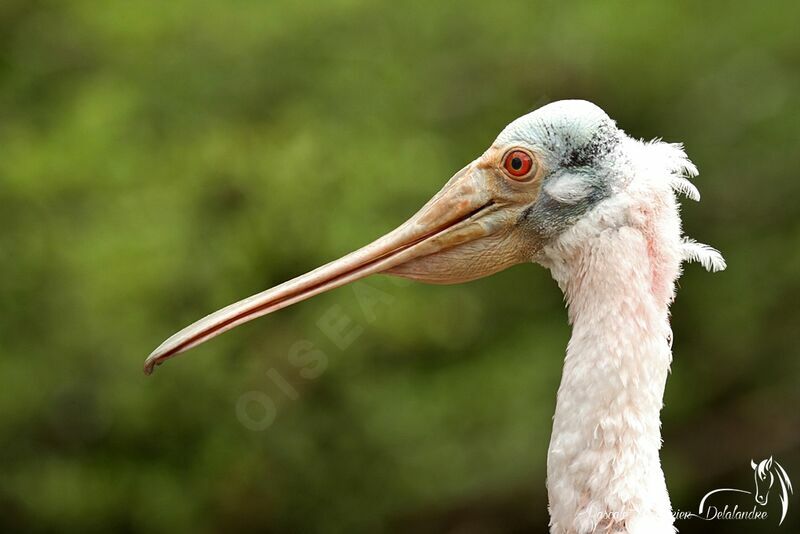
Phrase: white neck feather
(604, 472)
(617, 266)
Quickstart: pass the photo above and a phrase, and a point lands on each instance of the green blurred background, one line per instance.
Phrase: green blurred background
(161, 159)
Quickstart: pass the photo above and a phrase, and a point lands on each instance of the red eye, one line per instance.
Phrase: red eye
(518, 164)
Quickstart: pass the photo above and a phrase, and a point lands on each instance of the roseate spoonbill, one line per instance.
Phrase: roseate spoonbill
(564, 187)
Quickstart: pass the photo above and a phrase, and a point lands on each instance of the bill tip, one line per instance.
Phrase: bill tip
(150, 364)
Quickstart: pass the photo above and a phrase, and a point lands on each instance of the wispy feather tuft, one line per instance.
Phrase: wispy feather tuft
(709, 257)
(673, 158)
(685, 187)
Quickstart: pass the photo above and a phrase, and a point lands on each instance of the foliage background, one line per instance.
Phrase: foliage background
(161, 159)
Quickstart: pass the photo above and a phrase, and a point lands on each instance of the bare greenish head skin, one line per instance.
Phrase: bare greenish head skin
(577, 144)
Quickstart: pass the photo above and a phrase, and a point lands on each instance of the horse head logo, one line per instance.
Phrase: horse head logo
(764, 479)
(766, 473)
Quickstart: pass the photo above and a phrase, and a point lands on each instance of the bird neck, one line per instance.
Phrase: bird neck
(604, 471)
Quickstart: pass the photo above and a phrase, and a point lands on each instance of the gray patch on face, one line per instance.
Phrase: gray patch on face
(547, 217)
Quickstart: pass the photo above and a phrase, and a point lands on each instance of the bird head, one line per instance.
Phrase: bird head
(541, 175)
(548, 171)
